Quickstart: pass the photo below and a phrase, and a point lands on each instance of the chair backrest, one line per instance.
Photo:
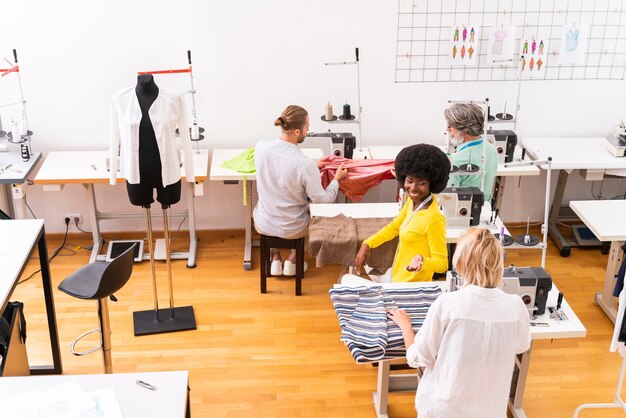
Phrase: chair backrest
(116, 274)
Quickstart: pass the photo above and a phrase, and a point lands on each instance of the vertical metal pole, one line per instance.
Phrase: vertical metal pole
(19, 81)
(358, 89)
(105, 334)
(168, 262)
(152, 268)
(546, 210)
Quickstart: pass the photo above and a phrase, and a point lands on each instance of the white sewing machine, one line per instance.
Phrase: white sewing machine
(461, 206)
(617, 140)
(505, 142)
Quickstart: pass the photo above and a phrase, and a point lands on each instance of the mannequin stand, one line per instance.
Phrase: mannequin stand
(170, 319)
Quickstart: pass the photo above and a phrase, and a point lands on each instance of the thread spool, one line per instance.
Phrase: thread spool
(346, 111)
(25, 152)
(195, 132)
(329, 111)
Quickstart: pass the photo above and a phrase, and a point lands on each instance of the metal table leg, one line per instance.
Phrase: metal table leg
(605, 299)
(518, 383)
(247, 249)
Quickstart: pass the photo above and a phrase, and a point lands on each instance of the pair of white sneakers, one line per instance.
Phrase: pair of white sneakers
(287, 269)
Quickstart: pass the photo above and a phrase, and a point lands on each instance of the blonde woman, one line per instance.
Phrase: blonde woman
(470, 337)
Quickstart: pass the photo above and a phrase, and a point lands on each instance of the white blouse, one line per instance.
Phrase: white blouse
(468, 345)
(166, 114)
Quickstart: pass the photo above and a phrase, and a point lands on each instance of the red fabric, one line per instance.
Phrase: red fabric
(362, 174)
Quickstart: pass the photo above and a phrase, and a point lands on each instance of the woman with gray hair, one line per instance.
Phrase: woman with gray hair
(465, 127)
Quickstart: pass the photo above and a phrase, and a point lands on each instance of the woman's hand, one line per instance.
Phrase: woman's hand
(416, 263)
(321, 163)
(361, 257)
(401, 318)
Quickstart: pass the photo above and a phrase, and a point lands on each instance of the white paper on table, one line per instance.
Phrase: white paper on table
(67, 400)
(107, 405)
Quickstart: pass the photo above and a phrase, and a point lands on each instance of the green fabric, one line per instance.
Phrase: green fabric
(242, 163)
(474, 155)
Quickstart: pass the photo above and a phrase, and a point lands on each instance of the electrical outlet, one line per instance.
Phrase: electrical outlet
(72, 216)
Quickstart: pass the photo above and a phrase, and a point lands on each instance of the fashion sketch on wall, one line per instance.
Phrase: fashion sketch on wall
(573, 44)
(533, 53)
(464, 45)
(501, 46)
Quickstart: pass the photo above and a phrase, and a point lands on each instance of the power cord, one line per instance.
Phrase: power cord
(56, 252)
(78, 227)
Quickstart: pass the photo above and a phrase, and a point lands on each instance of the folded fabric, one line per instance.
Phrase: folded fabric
(332, 240)
(362, 174)
(366, 330)
(336, 240)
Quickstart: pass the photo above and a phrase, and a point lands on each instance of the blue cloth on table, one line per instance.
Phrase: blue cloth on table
(366, 330)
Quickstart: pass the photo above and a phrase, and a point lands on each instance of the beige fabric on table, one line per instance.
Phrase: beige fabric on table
(336, 240)
(332, 240)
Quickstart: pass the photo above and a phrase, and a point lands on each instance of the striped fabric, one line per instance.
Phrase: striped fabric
(366, 330)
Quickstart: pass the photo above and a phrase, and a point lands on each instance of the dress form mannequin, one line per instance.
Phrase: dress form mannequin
(143, 146)
(141, 194)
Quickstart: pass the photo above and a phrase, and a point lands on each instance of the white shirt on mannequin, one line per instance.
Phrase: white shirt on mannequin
(166, 114)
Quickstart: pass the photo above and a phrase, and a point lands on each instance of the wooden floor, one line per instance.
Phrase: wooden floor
(277, 355)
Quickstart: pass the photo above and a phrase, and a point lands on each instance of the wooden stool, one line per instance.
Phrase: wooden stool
(267, 243)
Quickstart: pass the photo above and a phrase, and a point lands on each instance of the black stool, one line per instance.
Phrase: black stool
(267, 243)
(98, 281)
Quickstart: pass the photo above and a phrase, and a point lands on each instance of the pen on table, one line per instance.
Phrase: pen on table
(146, 385)
(539, 324)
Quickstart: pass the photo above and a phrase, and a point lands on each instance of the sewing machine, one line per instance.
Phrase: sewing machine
(461, 206)
(532, 284)
(617, 144)
(340, 144)
(505, 142)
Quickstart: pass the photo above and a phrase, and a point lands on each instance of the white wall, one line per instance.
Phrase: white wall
(251, 59)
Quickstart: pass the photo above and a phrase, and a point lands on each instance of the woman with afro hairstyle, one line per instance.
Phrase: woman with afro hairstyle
(422, 170)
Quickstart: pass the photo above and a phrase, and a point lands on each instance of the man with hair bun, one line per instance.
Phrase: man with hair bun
(286, 180)
(465, 127)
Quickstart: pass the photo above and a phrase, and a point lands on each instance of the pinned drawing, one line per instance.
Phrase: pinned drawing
(464, 45)
(533, 57)
(573, 44)
(501, 46)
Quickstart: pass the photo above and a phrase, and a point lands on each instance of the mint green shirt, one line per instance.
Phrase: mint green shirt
(472, 152)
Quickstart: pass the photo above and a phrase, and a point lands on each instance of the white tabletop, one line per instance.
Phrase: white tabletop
(61, 167)
(390, 153)
(390, 210)
(168, 401)
(605, 218)
(17, 170)
(18, 237)
(575, 153)
(220, 155)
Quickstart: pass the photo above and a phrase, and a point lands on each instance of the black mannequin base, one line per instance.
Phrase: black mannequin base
(146, 322)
